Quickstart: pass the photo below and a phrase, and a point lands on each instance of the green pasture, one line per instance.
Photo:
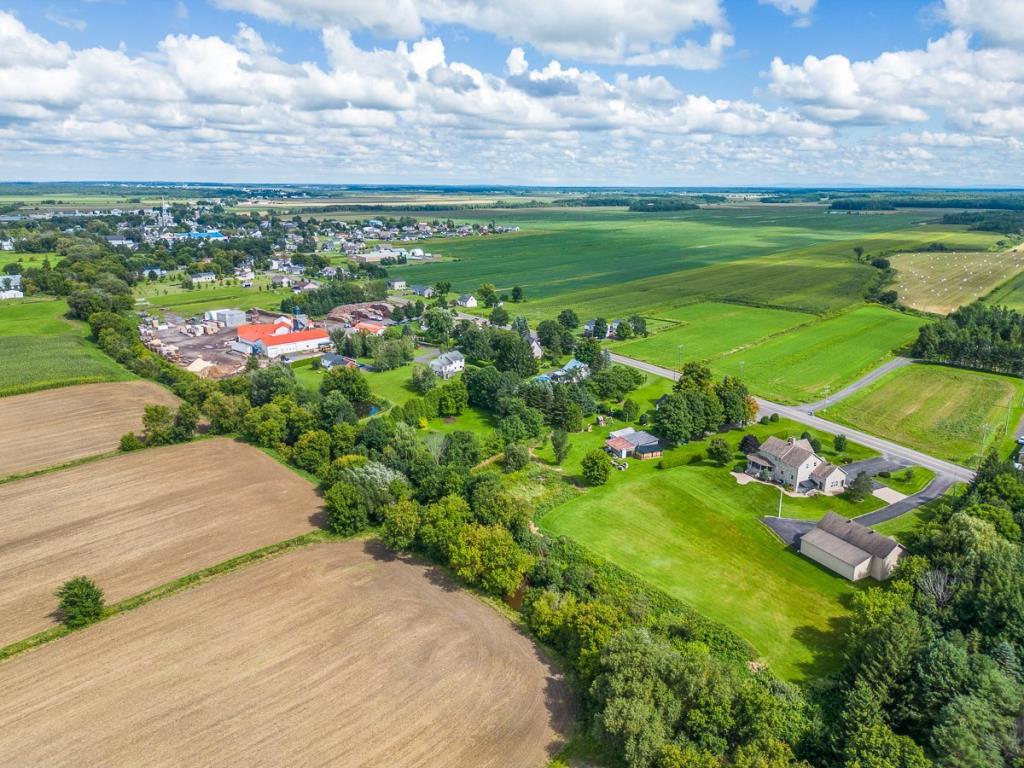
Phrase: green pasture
(40, 349)
(798, 365)
(694, 532)
(708, 330)
(172, 298)
(951, 413)
(608, 261)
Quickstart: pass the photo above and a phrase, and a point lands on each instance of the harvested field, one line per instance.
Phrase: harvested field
(330, 655)
(941, 281)
(60, 425)
(138, 520)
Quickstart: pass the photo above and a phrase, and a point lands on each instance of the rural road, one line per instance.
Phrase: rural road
(879, 372)
(892, 450)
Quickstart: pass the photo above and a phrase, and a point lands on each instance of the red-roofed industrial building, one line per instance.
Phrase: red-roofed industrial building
(279, 338)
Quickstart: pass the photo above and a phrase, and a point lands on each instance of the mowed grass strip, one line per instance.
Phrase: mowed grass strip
(939, 281)
(708, 330)
(797, 366)
(946, 412)
(139, 520)
(67, 424)
(334, 652)
(40, 349)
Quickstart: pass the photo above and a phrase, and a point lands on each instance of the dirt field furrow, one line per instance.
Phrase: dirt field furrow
(331, 655)
(43, 429)
(138, 520)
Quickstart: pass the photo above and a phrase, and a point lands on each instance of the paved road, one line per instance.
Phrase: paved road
(879, 372)
(893, 451)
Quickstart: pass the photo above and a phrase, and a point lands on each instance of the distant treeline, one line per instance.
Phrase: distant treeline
(1005, 203)
(976, 336)
(1007, 222)
(642, 203)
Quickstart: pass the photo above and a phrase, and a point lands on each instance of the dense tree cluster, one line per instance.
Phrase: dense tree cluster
(976, 336)
(934, 674)
(698, 405)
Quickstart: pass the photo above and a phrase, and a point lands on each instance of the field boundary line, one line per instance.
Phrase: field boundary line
(59, 467)
(169, 588)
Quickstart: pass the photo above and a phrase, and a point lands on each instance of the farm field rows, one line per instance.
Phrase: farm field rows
(337, 653)
(797, 366)
(943, 411)
(40, 349)
(138, 520)
(62, 425)
(941, 281)
(695, 533)
(608, 262)
(708, 330)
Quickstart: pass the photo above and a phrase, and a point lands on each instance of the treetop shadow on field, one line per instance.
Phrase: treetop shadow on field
(559, 699)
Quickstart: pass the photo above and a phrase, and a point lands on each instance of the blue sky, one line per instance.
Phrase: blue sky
(679, 92)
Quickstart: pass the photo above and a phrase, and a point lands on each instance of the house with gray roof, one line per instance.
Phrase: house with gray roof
(448, 364)
(850, 549)
(794, 463)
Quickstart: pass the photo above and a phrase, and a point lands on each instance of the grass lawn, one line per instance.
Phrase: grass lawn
(944, 411)
(172, 297)
(797, 366)
(694, 532)
(900, 526)
(941, 281)
(708, 330)
(392, 385)
(908, 481)
(40, 349)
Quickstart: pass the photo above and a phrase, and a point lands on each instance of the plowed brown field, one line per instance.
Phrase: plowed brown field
(42, 429)
(330, 655)
(138, 520)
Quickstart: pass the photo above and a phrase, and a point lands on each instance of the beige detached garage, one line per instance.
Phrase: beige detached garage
(850, 549)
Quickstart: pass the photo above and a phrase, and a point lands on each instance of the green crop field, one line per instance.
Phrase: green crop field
(943, 411)
(694, 532)
(797, 366)
(39, 349)
(708, 330)
(608, 262)
(1009, 294)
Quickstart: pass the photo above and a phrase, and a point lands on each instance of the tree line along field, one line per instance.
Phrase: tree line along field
(949, 412)
(336, 653)
(62, 425)
(695, 533)
(138, 520)
(40, 349)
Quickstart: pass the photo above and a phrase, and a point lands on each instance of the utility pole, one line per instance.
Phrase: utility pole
(779, 515)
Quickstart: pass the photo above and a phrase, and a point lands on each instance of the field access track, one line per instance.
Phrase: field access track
(43, 429)
(337, 654)
(138, 520)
